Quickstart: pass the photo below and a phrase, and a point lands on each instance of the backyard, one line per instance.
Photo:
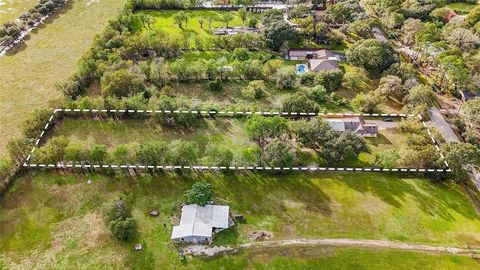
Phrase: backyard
(43, 225)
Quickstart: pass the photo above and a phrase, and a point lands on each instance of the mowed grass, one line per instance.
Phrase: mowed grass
(165, 21)
(12, 9)
(52, 220)
(47, 57)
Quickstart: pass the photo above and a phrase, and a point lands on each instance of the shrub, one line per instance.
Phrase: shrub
(279, 153)
(215, 86)
(124, 229)
(285, 78)
(255, 89)
(317, 93)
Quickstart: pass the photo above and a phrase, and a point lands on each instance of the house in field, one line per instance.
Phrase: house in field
(198, 224)
(354, 124)
(318, 59)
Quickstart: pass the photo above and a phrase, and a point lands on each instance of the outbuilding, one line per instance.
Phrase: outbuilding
(198, 224)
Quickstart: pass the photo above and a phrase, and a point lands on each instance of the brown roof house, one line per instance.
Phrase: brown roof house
(354, 124)
(318, 59)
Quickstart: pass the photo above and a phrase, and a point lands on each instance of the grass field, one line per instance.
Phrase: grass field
(12, 9)
(461, 7)
(51, 220)
(48, 56)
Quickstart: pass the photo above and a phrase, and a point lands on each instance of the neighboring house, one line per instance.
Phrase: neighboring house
(318, 59)
(198, 224)
(354, 124)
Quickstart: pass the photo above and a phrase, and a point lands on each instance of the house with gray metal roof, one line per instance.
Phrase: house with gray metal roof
(198, 224)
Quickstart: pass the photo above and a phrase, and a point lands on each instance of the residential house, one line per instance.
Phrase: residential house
(318, 59)
(354, 124)
(198, 224)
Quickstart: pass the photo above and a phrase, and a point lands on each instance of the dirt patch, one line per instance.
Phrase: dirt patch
(261, 235)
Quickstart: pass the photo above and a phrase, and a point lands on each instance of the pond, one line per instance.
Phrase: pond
(12, 9)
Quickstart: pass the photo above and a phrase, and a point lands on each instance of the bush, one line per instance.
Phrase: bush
(219, 156)
(200, 193)
(124, 229)
(122, 83)
(255, 89)
(285, 78)
(317, 93)
(215, 86)
(120, 221)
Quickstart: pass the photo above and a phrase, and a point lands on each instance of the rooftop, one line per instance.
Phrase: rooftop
(200, 220)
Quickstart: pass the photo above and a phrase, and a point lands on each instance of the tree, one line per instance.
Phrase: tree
(387, 159)
(338, 13)
(314, 133)
(260, 128)
(152, 153)
(215, 85)
(98, 153)
(286, 78)
(367, 103)
(472, 121)
(409, 29)
(201, 20)
(181, 153)
(346, 146)
(219, 156)
(122, 83)
(356, 80)
(33, 126)
(391, 86)
(227, 18)
(179, 17)
(330, 79)
(125, 229)
(243, 13)
(461, 156)
(299, 102)
(76, 151)
(404, 71)
(120, 221)
(253, 22)
(255, 89)
(372, 55)
(473, 16)
(419, 95)
(279, 153)
(200, 193)
(280, 34)
(317, 93)
(463, 39)
(53, 151)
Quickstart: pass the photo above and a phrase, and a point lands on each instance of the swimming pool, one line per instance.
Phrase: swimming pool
(301, 69)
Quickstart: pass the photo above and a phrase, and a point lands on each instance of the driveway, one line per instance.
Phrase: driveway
(442, 125)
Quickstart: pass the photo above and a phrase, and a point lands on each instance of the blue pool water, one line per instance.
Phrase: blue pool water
(301, 69)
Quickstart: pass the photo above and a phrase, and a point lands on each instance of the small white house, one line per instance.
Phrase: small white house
(199, 223)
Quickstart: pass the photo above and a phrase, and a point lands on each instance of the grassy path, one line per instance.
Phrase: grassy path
(29, 76)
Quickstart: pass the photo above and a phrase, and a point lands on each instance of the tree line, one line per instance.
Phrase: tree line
(12, 30)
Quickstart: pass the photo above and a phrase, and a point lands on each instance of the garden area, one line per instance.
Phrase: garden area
(43, 225)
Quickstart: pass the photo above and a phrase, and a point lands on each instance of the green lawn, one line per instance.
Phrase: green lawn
(49, 55)
(461, 7)
(164, 20)
(51, 220)
(12, 9)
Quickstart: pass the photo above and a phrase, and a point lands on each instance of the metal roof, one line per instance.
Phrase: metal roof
(200, 220)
